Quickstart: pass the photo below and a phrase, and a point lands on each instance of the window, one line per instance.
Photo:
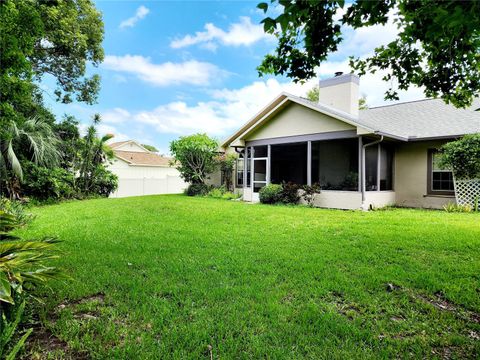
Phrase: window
(335, 164)
(440, 181)
(240, 166)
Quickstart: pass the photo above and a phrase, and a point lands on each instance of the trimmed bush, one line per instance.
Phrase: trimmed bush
(197, 190)
(271, 194)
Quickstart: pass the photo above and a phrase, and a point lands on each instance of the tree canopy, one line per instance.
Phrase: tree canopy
(195, 157)
(57, 38)
(437, 46)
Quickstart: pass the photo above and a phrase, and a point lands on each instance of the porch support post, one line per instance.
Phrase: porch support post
(309, 163)
(360, 162)
(378, 167)
(269, 163)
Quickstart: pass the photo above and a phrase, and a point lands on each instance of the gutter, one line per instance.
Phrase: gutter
(364, 178)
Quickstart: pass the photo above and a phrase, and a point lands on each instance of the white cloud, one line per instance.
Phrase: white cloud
(115, 116)
(227, 110)
(243, 33)
(189, 72)
(141, 12)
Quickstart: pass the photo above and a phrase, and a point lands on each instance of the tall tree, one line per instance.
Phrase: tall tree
(436, 48)
(47, 37)
(33, 137)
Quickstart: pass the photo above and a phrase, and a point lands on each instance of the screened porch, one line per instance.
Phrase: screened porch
(335, 164)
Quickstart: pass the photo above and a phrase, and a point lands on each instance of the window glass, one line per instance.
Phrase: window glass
(335, 164)
(240, 170)
(260, 151)
(442, 179)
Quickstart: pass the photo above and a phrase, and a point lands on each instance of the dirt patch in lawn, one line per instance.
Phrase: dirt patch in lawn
(440, 302)
(344, 307)
(43, 343)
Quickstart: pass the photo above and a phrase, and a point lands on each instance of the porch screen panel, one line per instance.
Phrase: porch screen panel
(289, 163)
(335, 164)
(386, 168)
(371, 174)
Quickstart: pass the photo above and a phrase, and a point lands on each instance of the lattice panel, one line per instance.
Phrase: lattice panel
(467, 191)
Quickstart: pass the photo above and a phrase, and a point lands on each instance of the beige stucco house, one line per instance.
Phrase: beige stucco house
(142, 172)
(361, 158)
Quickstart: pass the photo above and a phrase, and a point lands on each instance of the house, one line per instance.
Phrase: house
(361, 158)
(142, 172)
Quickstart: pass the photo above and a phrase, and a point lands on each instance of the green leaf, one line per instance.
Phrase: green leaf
(263, 6)
(5, 289)
(18, 346)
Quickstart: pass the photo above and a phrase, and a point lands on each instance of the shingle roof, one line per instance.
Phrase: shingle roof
(423, 119)
(142, 158)
(117, 144)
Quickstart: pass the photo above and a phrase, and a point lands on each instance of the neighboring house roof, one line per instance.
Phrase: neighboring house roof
(423, 119)
(118, 143)
(142, 158)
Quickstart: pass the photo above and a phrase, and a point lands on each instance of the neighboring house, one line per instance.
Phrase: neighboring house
(362, 159)
(142, 172)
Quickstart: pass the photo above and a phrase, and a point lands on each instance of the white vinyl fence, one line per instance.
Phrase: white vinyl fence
(149, 186)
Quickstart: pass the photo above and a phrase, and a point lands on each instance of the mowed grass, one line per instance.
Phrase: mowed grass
(190, 278)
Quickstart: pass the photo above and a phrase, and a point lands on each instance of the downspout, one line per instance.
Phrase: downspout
(364, 178)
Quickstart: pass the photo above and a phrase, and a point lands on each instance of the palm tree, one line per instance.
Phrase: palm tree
(95, 152)
(34, 138)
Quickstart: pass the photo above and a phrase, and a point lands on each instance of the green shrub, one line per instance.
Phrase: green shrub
(15, 209)
(462, 157)
(290, 193)
(271, 194)
(222, 193)
(104, 182)
(197, 190)
(47, 183)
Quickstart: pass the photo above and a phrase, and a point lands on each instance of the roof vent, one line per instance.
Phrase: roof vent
(338, 73)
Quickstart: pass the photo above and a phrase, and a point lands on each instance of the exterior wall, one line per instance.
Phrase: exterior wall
(411, 176)
(348, 200)
(298, 120)
(130, 147)
(145, 180)
(378, 199)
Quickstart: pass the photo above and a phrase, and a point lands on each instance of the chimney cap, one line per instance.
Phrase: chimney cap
(338, 73)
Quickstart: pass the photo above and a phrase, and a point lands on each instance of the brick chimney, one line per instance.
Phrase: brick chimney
(340, 92)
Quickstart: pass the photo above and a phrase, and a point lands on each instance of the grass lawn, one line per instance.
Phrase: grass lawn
(189, 278)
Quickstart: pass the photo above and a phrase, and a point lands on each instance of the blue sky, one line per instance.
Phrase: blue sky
(179, 67)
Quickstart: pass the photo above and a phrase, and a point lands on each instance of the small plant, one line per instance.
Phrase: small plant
(17, 210)
(309, 192)
(271, 194)
(290, 193)
(222, 193)
(22, 269)
(452, 207)
(197, 190)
